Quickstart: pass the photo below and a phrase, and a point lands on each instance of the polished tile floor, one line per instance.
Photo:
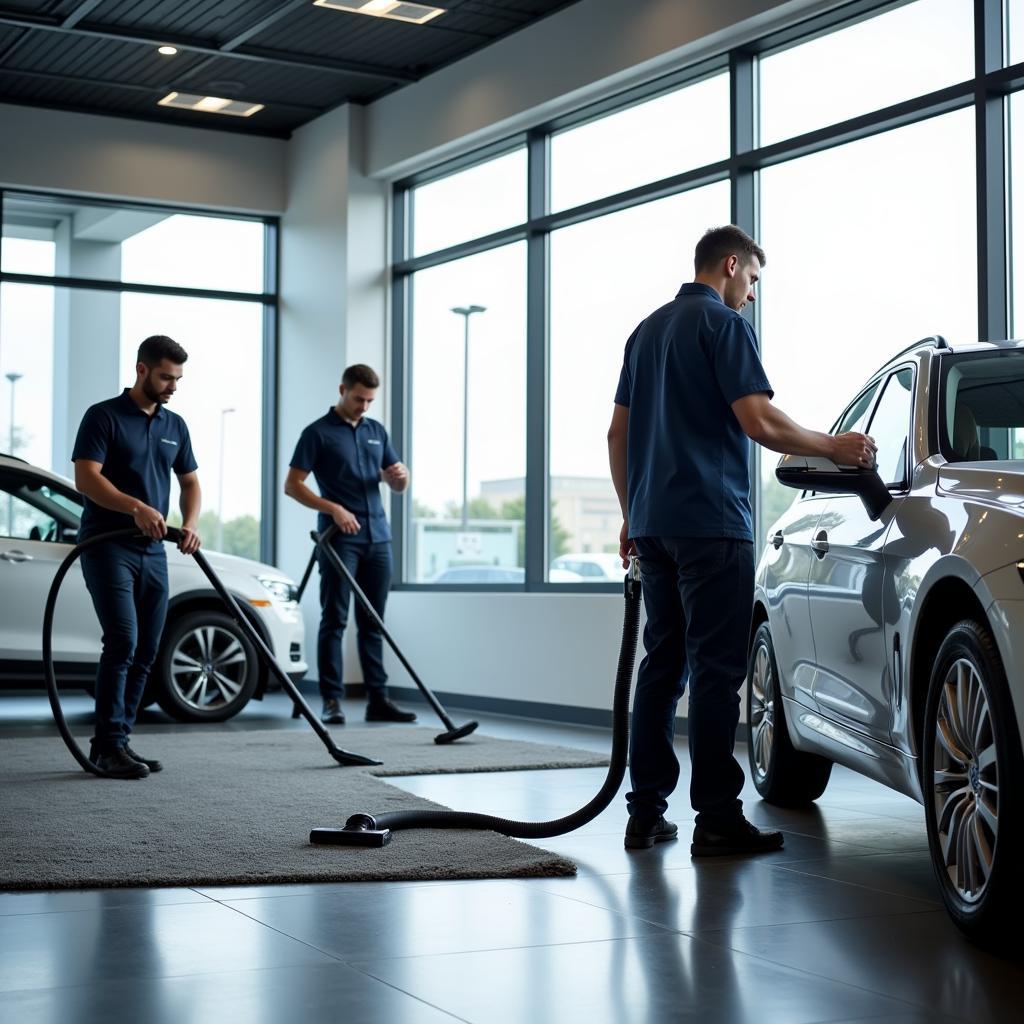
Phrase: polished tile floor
(843, 925)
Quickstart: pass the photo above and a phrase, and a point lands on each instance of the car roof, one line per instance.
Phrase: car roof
(937, 346)
(16, 463)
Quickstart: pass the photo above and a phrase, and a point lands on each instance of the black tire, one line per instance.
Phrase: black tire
(781, 774)
(225, 674)
(973, 787)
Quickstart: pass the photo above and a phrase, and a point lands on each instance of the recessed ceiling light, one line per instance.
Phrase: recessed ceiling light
(210, 104)
(167, 51)
(398, 10)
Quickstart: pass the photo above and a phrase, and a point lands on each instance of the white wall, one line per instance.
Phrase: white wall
(54, 150)
(590, 50)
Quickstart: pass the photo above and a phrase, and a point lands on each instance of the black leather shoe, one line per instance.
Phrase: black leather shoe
(153, 766)
(387, 711)
(332, 713)
(119, 765)
(643, 833)
(734, 839)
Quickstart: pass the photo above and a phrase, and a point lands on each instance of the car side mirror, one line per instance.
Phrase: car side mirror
(813, 473)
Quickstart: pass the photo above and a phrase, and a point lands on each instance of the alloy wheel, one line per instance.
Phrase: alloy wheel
(965, 781)
(208, 668)
(762, 711)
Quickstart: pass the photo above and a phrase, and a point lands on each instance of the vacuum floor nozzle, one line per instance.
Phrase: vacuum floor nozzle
(456, 734)
(359, 830)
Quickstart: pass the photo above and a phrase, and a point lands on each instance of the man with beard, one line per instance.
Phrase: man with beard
(124, 454)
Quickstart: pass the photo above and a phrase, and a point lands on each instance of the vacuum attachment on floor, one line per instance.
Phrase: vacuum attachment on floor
(359, 830)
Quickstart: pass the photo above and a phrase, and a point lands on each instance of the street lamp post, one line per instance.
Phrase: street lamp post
(220, 482)
(13, 378)
(465, 312)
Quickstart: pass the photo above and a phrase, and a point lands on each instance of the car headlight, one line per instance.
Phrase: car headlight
(282, 590)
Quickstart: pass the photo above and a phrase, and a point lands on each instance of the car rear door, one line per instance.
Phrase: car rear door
(32, 528)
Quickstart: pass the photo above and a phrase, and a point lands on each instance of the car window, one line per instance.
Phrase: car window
(21, 521)
(855, 415)
(982, 413)
(890, 427)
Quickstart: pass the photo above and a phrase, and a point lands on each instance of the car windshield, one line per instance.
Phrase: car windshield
(982, 412)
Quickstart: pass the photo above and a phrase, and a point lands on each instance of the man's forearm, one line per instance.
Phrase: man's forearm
(781, 434)
(100, 490)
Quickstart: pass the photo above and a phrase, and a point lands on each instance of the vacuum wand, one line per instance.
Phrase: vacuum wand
(323, 542)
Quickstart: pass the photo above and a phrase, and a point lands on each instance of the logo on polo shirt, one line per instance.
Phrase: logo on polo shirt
(167, 440)
(372, 440)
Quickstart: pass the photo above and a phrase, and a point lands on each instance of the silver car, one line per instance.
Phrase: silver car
(206, 669)
(888, 630)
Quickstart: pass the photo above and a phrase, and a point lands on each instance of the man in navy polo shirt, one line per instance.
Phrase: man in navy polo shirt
(126, 449)
(691, 392)
(349, 455)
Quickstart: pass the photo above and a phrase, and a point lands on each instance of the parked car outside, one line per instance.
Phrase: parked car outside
(471, 574)
(888, 628)
(593, 566)
(206, 669)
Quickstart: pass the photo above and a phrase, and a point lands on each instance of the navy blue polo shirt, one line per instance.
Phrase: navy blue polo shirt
(687, 456)
(138, 453)
(346, 461)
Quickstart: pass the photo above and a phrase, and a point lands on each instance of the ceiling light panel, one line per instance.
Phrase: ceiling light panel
(210, 104)
(396, 10)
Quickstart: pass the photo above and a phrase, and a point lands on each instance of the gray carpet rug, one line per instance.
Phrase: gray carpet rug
(234, 808)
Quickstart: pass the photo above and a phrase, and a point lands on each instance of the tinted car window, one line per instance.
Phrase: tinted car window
(982, 413)
(890, 426)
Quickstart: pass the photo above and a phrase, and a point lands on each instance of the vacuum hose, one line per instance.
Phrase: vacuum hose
(375, 830)
(173, 535)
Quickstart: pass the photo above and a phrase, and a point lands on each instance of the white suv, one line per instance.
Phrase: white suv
(888, 631)
(206, 669)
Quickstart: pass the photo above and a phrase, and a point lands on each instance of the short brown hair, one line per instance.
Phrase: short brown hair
(360, 373)
(158, 347)
(729, 240)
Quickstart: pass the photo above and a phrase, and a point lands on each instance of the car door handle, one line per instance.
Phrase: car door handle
(820, 544)
(777, 540)
(15, 556)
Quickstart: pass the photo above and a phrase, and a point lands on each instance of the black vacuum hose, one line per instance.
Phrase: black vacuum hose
(173, 535)
(374, 830)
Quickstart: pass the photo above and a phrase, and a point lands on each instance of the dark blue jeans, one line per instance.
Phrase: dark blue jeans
(128, 586)
(370, 564)
(698, 596)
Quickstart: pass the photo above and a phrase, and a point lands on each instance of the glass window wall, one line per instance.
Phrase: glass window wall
(607, 274)
(867, 66)
(468, 420)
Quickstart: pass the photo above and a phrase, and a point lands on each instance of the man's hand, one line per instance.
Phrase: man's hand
(344, 520)
(150, 522)
(627, 547)
(396, 475)
(853, 449)
(189, 542)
